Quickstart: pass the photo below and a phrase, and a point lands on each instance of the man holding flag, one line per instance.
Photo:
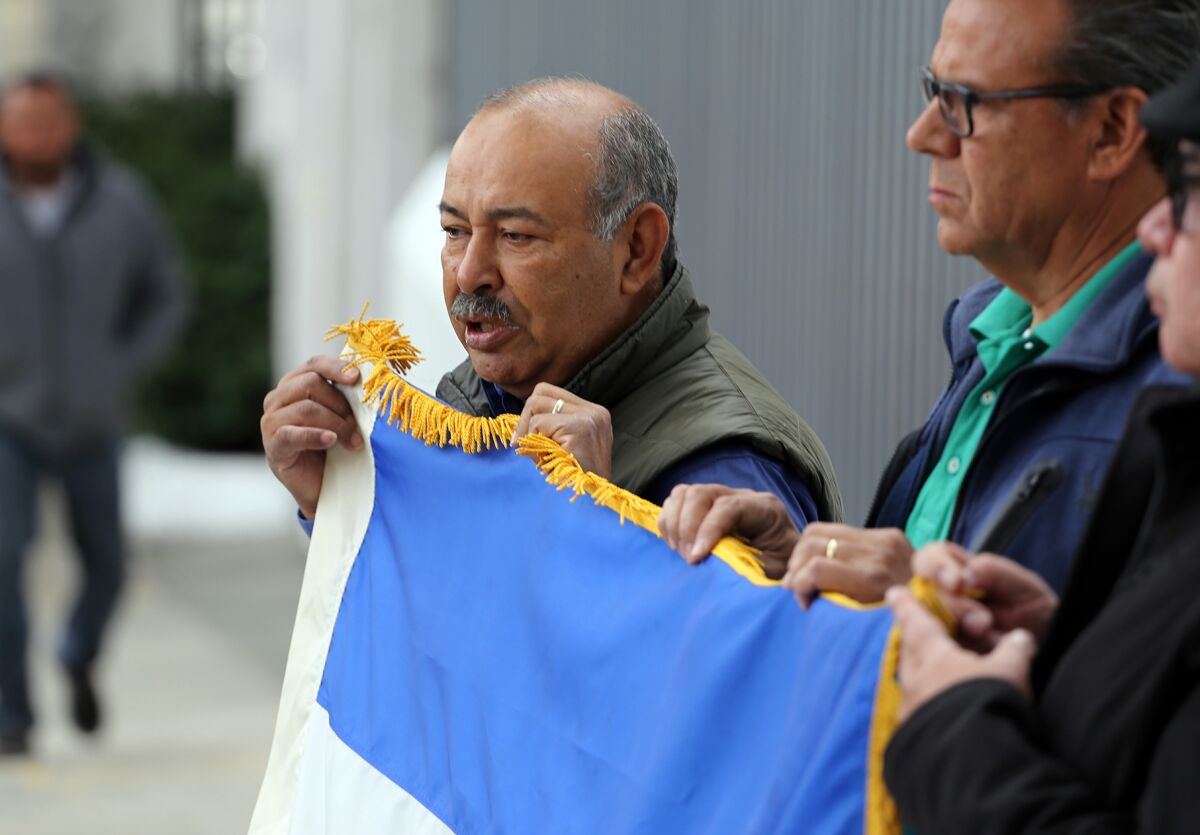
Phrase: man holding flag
(562, 281)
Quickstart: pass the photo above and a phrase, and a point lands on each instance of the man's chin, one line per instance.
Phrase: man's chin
(494, 369)
(952, 239)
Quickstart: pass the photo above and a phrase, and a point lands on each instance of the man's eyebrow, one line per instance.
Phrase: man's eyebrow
(498, 213)
(509, 212)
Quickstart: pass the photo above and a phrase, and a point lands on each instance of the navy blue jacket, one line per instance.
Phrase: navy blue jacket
(1034, 479)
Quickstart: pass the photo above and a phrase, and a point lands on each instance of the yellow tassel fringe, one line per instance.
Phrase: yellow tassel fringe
(380, 344)
(882, 817)
(564, 472)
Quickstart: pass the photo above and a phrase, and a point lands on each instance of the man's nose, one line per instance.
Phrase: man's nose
(478, 269)
(929, 134)
(1156, 232)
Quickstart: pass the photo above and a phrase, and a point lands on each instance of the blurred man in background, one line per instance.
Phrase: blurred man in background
(90, 292)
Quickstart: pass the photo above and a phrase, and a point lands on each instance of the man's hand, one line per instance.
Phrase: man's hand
(581, 428)
(861, 563)
(303, 416)
(990, 595)
(696, 516)
(931, 662)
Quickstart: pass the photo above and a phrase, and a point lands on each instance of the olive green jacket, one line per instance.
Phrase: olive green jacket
(674, 387)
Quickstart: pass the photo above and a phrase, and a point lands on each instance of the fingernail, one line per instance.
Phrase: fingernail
(975, 621)
(946, 577)
(892, 594)
(1023, 637)
(356, 440)
(697, 552)
(328, 438)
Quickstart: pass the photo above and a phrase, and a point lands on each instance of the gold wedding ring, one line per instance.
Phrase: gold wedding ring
(831, 549)
(558, 404)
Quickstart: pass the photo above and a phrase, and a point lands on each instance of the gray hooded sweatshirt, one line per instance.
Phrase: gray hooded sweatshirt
(83, 308)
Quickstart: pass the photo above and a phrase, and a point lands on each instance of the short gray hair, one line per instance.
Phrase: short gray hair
(634, 165)
(633, 159)
(1147, 44)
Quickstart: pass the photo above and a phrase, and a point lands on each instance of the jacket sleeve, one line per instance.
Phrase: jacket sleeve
(159, 304)
(973, 760)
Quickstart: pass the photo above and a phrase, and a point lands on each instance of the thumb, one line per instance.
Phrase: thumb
(1012, 657)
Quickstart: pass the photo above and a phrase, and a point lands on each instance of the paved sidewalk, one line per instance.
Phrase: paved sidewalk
(191, 677)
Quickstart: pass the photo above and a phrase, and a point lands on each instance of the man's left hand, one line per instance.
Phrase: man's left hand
(861, 563)
(581, 428)
(931, 662)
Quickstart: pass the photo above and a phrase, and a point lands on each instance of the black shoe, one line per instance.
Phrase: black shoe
(85, 708)
(14, 743)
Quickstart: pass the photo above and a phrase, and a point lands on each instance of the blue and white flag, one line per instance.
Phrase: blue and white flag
(476, 651)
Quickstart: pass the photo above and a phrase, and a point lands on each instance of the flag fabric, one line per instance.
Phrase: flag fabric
(490, 642)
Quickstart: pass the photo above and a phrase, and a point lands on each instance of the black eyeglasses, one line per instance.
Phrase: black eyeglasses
(1184, 189)
(956, 102)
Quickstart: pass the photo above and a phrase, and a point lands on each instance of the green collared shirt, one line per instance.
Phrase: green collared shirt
(1005, 342)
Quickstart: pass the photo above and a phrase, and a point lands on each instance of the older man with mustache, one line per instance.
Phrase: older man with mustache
(562, 282)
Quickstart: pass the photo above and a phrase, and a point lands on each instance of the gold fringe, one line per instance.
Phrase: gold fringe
(563, 471)
(882, 817)
(379, 343)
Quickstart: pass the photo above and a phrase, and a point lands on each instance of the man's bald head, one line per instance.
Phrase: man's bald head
(632, 159)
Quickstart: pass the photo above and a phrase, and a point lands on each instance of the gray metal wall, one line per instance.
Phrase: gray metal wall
(803, 216)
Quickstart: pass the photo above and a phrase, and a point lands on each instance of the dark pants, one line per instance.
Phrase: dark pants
(89, 479)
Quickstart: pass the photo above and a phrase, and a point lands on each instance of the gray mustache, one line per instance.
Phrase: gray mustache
(488, 307)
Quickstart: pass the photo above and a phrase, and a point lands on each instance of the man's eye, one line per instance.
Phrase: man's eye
(516, 237)
(453, 232)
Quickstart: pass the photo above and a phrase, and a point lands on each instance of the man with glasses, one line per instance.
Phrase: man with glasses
(1098, 731)
(1040, 170)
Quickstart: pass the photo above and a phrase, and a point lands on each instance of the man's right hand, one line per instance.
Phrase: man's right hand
(303, 416)
(989, 595)
(696, 516)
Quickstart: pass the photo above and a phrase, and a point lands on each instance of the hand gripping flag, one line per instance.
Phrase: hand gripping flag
(476, 651)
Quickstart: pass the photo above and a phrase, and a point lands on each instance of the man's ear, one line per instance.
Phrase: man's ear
(645, 234)
(1119, 135)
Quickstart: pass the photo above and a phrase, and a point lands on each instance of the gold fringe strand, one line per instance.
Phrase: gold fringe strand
(882, 816)
(379, 343)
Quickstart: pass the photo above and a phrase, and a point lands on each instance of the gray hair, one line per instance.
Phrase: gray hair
(634, 165)
(1147, 44)
(633, 159)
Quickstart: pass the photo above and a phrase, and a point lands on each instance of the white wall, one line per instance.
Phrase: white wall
(110, 45)
(22, 35)
(346, 111)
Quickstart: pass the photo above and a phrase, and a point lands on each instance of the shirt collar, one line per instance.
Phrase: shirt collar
(499, 400)
(1009, 313)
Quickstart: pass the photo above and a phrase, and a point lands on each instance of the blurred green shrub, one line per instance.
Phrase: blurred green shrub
(207, 393)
